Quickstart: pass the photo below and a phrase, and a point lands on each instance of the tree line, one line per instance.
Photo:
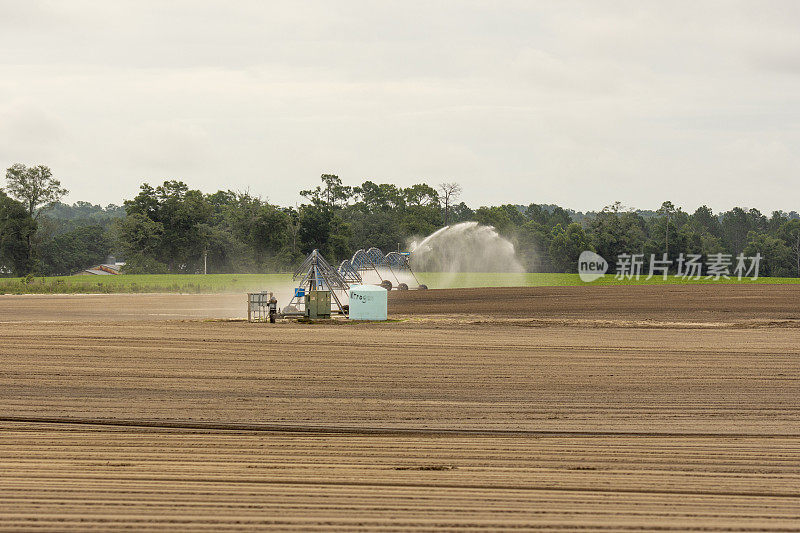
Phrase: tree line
(171, 228)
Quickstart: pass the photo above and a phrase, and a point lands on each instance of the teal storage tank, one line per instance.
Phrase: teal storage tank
(368, 302)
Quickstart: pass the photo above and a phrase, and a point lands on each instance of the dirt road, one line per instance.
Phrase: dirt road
(684, 417)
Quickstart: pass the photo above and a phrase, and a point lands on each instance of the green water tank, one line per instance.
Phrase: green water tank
(318, 304)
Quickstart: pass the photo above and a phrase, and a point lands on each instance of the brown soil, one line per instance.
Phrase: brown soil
(640, 302)
(116, 413)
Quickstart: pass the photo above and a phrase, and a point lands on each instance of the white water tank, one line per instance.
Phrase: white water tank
(368, 302)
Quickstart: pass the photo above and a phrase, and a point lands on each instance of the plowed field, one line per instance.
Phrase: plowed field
(593, 408)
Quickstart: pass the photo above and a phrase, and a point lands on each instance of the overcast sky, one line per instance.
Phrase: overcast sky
(574, 103)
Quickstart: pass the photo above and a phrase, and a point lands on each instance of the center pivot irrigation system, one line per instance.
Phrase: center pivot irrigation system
(369, 267)
(373, 267)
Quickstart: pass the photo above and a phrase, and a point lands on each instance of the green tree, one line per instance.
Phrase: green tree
(315, 227)
(421, 195)
(669, 232)
(74, 250)
(140, 239)
(703, 221)
(615, 231)
(505, 218)
(183, 216)
(667, 209)
(532, 243)
(226, 253)
(789, 232)
(36, 188)
(776, 257)
(460, 213)
(332, 192)
(377, 228)
(737, 224)
(548, 216)
(259, 233)
(567, 245)
(16, 229)
(775, 222)
(380, 197)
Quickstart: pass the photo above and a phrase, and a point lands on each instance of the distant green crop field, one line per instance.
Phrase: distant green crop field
(132, 283)
(238, 283)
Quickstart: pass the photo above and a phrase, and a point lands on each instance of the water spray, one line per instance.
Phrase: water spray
(465, 247)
